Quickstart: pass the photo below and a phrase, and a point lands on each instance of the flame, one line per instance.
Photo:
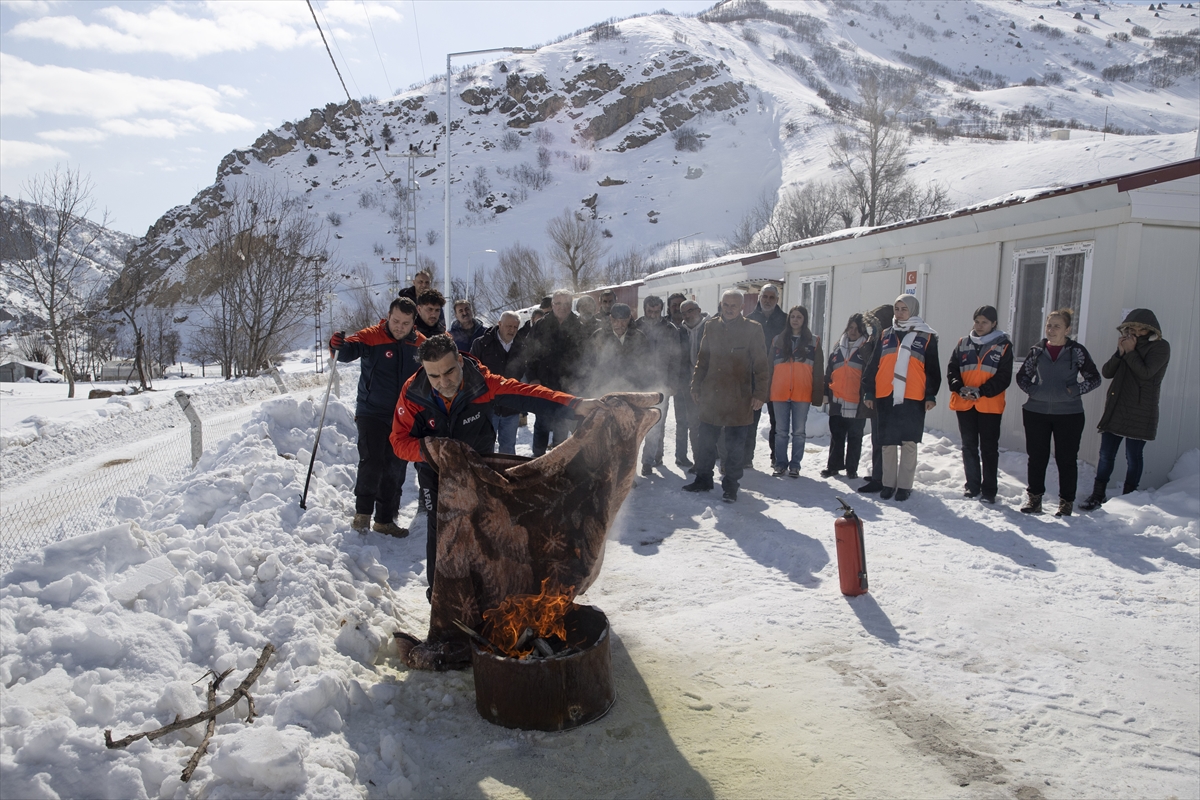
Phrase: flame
(543, 612)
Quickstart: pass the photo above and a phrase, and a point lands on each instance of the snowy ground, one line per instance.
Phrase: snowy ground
(996, 656)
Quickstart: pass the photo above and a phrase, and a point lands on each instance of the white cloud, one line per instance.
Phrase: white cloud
(209, 28)
(29, 7)
(120, 102)
(14, 153)
(73, 135)
(350, 12)
(152, 128)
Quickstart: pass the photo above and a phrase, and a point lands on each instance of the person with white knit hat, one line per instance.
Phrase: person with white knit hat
(901, 383)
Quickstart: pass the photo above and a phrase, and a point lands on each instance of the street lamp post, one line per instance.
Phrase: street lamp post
(515, 51)
(680, 239)
(471, 273)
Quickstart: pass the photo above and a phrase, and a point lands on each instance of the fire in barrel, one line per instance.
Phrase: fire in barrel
(544, 662)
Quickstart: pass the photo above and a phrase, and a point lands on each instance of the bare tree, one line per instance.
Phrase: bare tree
(756, 218)
(56, 252)
(364, 303)
(517, 281)
(162, 341)
(261, 259)
(872, 150)
(626, 266)
(576, 246)
(130, 293)
(807, 211)
(801, 213)
(913, 201)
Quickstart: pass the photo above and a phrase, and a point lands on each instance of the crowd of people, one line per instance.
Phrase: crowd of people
(477, 383)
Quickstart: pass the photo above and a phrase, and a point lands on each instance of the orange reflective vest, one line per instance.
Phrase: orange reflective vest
(792, 377)
(845, 376)
(976, 367)
(889, 347)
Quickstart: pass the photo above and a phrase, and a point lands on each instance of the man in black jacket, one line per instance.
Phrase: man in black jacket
(388, 352)
(501, 351)
(430, 319)
(773, 321)
(422, 282)
(555, 347)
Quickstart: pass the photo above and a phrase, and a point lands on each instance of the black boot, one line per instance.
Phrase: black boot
(1095, 499)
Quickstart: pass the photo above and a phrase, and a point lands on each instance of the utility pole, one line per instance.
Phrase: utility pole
(406, 226)
(449, 95)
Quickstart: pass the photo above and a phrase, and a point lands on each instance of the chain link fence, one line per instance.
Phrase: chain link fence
(88, 502)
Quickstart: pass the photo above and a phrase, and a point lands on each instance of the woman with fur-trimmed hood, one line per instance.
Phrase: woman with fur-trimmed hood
(1136, 370)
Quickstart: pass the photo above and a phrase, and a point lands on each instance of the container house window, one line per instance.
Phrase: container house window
(814, 295)
(1044, 279)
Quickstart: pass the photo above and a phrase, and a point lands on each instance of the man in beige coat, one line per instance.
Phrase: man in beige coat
(731, 381)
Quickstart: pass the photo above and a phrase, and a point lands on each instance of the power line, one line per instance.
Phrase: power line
(371, 28)
(417, 30)
(327, 50)
(339, 47)
(332, 60)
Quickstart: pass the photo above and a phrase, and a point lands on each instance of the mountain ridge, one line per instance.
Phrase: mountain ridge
(592, 124)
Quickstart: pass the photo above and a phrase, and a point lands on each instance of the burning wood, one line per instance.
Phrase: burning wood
(525, 624)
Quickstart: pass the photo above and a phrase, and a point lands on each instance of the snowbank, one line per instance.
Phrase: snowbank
(996, 655)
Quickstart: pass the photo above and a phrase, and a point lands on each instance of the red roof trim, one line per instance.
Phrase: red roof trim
(1171, 172)
(1124, 183)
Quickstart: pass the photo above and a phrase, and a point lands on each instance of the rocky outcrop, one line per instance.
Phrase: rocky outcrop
(665, 78)
(592, 83)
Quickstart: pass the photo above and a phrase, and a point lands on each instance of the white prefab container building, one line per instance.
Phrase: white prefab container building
(1101, 248)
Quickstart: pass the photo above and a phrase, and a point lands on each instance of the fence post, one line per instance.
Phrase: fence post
(278, 380)
(185, 402)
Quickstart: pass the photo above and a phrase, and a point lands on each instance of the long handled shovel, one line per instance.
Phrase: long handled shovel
(320, 426)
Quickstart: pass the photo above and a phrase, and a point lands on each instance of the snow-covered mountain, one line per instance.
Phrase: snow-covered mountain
(103, 251)
(668, 129)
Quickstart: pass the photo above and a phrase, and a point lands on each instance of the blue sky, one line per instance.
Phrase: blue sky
(146, 97)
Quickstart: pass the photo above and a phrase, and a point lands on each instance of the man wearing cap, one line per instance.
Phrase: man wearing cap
(901, 382)
(729, 384)
(617, 356)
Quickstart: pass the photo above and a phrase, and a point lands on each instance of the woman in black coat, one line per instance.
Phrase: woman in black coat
(1136, 370)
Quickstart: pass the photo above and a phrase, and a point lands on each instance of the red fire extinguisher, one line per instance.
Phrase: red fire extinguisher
(851, 551)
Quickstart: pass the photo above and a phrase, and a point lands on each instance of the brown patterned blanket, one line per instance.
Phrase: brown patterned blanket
(506, 522)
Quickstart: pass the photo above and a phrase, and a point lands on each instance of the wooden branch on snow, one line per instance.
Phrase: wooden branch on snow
(194, 761)
(243, 690)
